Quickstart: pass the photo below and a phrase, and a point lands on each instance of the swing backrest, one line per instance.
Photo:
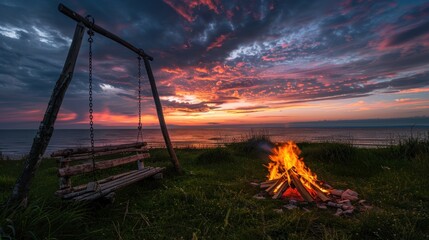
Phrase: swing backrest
(75, 161)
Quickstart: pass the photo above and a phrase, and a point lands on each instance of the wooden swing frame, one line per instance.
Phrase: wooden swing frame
(41, 140)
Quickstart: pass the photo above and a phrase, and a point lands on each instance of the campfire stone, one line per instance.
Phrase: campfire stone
(278, 211)
(259, 196)
(327, 186)
(336, 192)
(349, 195)
(332, 204)
(321, 206)
(290, 206)
(339, 212)
(306, 209)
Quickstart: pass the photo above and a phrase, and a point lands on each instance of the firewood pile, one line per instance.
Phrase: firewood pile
(290, 179)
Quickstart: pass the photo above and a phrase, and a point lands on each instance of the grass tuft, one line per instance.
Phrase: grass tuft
(215, 155)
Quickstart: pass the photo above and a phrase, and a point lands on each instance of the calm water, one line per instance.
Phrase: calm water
(16, 143)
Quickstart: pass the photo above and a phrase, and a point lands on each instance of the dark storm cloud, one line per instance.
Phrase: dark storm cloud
(410, 34)
(222, 51)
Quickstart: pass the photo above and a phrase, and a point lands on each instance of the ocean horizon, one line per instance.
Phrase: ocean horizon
(15, 143)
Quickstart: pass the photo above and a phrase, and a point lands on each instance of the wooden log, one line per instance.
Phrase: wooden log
(300, 187)
(320, 194)
(86, 156)
(273, 186)
(269, 183)
(281, 190)
(46, 128)
(88, 167)
(82, 150)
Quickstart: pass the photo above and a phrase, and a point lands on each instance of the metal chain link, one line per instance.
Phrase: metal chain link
(139, 127)
(91, 117)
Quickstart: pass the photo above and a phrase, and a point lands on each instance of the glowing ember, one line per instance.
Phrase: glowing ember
(293, 179)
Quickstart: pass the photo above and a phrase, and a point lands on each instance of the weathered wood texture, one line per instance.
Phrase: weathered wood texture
(78, 18)
(300, 187)
(71, 165)
(46, 128)
(107, 186)
(88, 167)
(75, 16)
(161, 119)
(84, 156)
(87, 150)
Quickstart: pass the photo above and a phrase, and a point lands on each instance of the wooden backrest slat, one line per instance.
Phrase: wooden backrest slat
(88, 167)
(84, 150)
(85, 156)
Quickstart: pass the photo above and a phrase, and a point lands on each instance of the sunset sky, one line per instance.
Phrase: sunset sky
(220, 62)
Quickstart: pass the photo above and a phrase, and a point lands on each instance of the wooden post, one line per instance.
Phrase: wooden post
(161, 119)
(41, 140)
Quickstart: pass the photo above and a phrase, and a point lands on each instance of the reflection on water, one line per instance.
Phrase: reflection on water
(18, 142)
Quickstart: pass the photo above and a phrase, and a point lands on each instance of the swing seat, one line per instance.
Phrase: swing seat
(77, 161)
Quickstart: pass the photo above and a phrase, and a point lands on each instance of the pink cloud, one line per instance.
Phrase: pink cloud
(218, 42)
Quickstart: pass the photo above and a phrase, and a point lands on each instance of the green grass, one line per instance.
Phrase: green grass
(213, 200)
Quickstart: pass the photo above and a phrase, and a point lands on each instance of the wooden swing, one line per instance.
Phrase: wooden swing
(77, 161)
(83, 160)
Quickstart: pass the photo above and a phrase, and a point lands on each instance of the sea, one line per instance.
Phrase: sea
(15, 144)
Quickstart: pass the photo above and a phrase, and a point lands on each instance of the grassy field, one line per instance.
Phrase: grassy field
(213, 200)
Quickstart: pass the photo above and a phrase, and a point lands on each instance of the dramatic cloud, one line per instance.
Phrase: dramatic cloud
(217, 62)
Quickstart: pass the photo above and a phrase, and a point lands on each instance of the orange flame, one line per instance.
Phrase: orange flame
(285, 161)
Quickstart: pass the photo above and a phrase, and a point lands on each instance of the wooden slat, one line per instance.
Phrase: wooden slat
(82, 187)
(84, 156)
(88, 167)
(119, 183)
(73, 151)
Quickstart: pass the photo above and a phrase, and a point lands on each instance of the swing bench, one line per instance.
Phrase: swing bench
(84, 160)
(77, 161)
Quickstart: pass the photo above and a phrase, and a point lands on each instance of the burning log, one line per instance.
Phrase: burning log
(300, 187)
(268, 183)
(290, 178)
(280, 192)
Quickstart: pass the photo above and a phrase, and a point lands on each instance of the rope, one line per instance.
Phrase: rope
(91, 117)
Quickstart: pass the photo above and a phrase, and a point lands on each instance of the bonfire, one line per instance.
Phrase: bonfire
(290, 179)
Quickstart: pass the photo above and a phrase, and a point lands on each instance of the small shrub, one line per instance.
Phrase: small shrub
(215, 155)
(159, 155)
(337, 152)
(411, 147)
(253, 143)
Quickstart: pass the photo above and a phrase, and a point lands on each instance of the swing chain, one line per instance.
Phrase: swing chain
(140, 98)
(139, 134)
(91, 117)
